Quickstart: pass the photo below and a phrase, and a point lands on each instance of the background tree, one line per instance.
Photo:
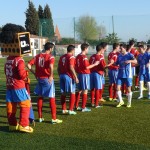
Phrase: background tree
(32, 19)
(86, 28)
(112, 38)
(47, 23)
(40, 12)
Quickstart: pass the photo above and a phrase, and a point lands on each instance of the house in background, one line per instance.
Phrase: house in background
(37, 43)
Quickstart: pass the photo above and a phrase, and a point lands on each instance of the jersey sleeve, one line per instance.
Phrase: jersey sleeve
(132, 56)
(86, 62)
(32, 61)
(72, 61)
(52, 60)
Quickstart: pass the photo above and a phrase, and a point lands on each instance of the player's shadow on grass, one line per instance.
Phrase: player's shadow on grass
(4, 129)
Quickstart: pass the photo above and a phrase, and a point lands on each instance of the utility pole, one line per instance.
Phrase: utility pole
(74, 31)
(113, 24)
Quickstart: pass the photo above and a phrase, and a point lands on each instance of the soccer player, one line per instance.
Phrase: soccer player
(44, 66)
(113, 71)
(125, 74)
(97, 72)
(16, 94)
(68, 78)
(83, 69)
(135, 53)
(142, 61)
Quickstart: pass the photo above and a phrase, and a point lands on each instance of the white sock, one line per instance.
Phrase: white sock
(148, 86)
(129, 98)
(141, 88)
(119, 96)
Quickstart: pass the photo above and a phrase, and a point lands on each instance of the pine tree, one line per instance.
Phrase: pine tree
(32, 19)
(40, 12)
(48, 27)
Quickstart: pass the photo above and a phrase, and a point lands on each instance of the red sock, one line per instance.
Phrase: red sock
(136, 80)
(100, 94)
(115, 91)
(63, 102)
(84, 100)
(110, 91)
(53, 107)
(92, 95)
(103, 90)
(24, 116)
(12, 119)
(77, 99)
(72, 101)
(96, 97)
(39, 106)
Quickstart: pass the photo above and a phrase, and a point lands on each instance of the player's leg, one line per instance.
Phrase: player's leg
(71, 89)
(63, 94)
(120, 81)
(39, 107)
(129, 85)
(141, 85)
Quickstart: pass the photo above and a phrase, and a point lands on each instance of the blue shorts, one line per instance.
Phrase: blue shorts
(18, 95)
(127, 81)
(112, 76)
(67, 84)
(45, 88)
(142, 77)
(96, 81)
(84, 81)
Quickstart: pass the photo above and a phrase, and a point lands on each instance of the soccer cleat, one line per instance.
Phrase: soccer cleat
(102, 100)
(79, 108)
(26, 129)
(128, 105)
(56, 121)
(115, 100)
(72, 112)
(98, 106)
(110, 99)
(86, 110)
(13, 128)
(148, 97)
(64, 111)
(144, 89)
(41, 119)
(120, 104)
(140, 97)
(93, 105)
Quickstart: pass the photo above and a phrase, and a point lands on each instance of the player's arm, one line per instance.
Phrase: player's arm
(29, 66)
(71, 67)
(51, 66)
(51, 74)
(92, 65)
(131, 61)
(21, 70)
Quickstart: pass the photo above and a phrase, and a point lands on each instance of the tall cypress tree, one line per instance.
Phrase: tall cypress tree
(40, 12)
(48, 27)
(32, 19)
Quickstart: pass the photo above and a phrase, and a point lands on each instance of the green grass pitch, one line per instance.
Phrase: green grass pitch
(105, 128)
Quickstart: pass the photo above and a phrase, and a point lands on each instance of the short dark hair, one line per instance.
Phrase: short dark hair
(141, 46)
(48, 45)
(101, 46)
(115, 45)
(131, 42)
(123, 45)
(70, 48)
(84, 46)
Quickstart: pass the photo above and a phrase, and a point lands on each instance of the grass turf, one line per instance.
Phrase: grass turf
(103, 128)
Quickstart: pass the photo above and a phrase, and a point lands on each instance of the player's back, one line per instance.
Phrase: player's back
(42, 64)
(81, 63)
(113, 56)
(64, 64)
(15, 72)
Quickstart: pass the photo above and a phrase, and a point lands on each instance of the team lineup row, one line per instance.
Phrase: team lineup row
(87, 74)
